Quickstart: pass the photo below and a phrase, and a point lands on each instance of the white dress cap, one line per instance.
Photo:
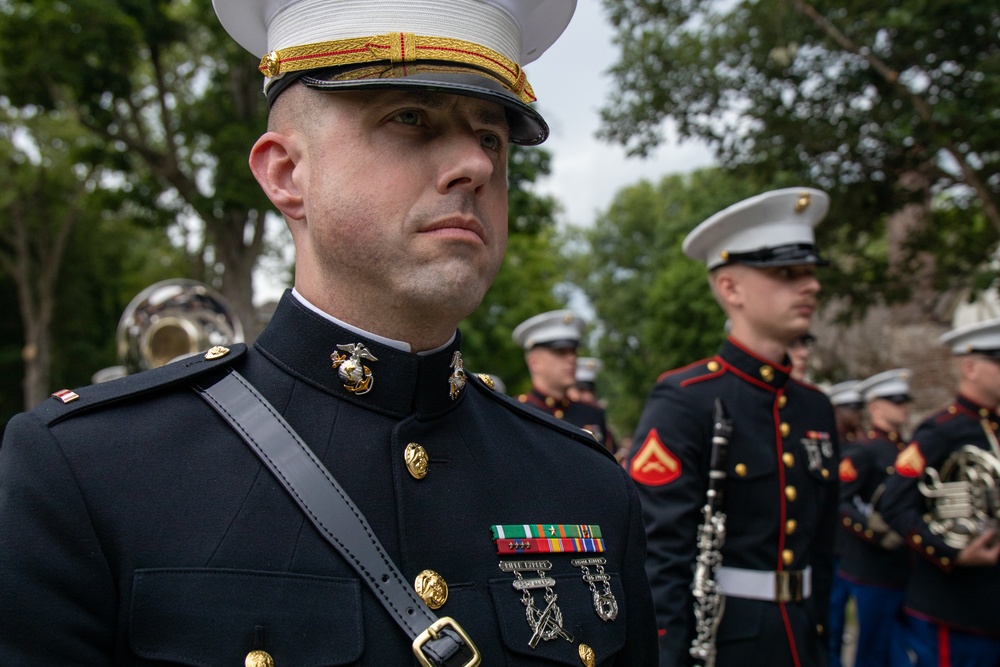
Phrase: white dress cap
(556, 328)
(888, 384)
(845, 393)
(470, 47)
(587, 369)
(771, 229)
(981, 337)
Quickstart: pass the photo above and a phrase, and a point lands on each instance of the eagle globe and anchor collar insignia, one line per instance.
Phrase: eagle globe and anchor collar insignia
(356, 376)
(456, 383)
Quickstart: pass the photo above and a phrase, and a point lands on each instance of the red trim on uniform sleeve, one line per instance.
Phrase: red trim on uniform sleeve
(654, 464)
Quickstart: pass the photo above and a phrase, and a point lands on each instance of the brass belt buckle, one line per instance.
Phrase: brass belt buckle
(432, 633)
(788, 586)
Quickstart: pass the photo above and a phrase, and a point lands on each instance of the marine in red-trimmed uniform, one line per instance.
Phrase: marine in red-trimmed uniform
(873, 559)
(550, 341)
(952, 608)
(781, 485)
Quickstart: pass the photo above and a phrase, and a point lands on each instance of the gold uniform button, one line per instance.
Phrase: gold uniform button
(889, 470)
(741, 470)
(819, 628)
(847, 521)
(857, 528)
(952, 409)
(259, 659)
(917, 539)
(785, 429)
(792, 524)
(983, 412)
(416, 460)
(945, 560)
(787, 556)
(549, 401)
(791, 493)
(587, 656)
(782, 401)
(789, 459)
(559, 414)
(432, 588)
(825, 473)
(487, 380)
(929, 549)
(869, 534)
(767, 373)
(713, 366)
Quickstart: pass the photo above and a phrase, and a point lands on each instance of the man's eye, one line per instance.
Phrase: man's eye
(491, 142)
(408, 117)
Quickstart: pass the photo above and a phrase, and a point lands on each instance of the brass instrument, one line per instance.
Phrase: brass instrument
(169, 320)
(709, 601)
(963, 498)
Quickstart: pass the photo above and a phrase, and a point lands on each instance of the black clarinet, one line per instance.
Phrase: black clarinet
(709, 602)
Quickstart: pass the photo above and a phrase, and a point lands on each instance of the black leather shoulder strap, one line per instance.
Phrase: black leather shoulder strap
(436, 642)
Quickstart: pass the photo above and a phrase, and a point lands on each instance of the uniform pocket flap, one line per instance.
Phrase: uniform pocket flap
(215, 617)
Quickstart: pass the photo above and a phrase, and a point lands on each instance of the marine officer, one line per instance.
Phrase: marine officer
(550, 341)
(847, 407)
(171, 517)
(873, 558)
(951, 612)
(780, 484)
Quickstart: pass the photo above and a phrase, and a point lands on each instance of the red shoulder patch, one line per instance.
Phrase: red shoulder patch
(847, 471)
(654, 464)
(910, 462)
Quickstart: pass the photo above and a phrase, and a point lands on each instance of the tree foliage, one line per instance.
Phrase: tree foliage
(882, 104)
(174, 106)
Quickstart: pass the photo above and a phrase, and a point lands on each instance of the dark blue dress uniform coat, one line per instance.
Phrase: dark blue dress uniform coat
(587, 416)
(964, 598)
(136, 528)
(780, 502)
(864, 467)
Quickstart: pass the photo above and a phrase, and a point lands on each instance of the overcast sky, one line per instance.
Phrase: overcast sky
(571, 84)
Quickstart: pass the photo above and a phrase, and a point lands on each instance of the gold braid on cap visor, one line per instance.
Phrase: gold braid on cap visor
(400, 49)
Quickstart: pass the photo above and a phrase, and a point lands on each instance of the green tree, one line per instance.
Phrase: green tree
(654, 305)
(528, 281)
(882, 104)
(74, 247)
(174, 103)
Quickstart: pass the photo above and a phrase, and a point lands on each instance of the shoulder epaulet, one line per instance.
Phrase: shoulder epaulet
(485, 386)
(66, 403)
(702, 368)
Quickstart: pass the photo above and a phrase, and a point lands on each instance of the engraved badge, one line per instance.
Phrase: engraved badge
(546, 624)
(457, 379)
(605, 604)
(357, 377)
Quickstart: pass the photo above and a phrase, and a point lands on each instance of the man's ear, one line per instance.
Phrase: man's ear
(274, 159)
(727, 287)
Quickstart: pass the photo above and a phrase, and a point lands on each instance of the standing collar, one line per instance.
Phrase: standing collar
(402, 383)
(967, 404)
(754, 368)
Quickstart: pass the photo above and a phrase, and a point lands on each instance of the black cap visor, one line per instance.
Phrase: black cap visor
(526, 126)
(784, 255)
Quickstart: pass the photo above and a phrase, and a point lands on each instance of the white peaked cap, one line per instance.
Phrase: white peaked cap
(771, 229)
(886, 384)
(982, 337)
(844, 393)
(587, 369)
(469, 47)
(555, 326)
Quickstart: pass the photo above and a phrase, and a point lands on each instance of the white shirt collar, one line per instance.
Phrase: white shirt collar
(389, 342)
